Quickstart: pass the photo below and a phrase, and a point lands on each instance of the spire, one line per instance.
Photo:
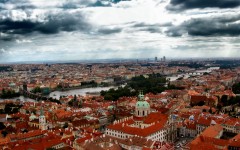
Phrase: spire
(141, 96)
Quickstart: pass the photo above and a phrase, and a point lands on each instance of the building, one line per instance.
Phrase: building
(142, 108)
(150, 125)
(164, 58)
(42, 120)
(211, 138)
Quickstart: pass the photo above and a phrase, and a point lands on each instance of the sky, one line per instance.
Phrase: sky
(48, 30)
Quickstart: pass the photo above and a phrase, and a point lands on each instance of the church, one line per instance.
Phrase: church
(144, 123)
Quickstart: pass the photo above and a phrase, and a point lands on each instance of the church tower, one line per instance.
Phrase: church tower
(42, 120)
(142, 108)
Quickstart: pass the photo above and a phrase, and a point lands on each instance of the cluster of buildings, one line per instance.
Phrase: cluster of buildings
(74, 75)
(194, 112)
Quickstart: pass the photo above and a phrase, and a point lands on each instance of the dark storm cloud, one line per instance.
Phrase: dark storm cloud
(212, 26)
(179, 5)
(54, 24)
(64, 22)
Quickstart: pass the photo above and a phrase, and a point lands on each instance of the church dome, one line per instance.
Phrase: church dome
(142, 104)
(142, 107)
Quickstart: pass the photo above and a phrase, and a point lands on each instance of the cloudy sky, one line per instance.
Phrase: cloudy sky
(41, 30)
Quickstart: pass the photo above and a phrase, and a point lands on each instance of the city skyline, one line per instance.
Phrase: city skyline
(66, 30)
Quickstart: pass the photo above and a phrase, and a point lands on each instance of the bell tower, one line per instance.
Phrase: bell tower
(42, 120)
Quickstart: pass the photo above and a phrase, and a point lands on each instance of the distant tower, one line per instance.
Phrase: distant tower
(156, 59)
(142, 107)
(164, 58)
(42, 120)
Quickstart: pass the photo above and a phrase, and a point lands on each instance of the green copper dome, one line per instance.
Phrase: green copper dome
(142, 104)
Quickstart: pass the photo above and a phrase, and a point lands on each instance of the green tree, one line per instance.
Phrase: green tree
(4, 133)
(65, 125)
(224, 100)
(2, 126)
(37, 90)
(108, 97)
(236, 88)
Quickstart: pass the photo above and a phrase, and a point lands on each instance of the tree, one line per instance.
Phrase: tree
(70, 103)
(236, 88)
(224, 100)
(4, 133)
(65, 125)
(9, 94)
(2, 126)
(37, 90)
(108, 97)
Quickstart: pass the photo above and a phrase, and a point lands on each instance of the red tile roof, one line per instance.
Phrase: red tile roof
(158, 120)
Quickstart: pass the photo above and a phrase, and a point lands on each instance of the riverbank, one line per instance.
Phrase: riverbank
(83, 91)
(57, 94)
(80, 87)
(21, 98)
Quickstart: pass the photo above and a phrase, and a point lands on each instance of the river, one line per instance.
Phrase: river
(22, 98)
(57, 94)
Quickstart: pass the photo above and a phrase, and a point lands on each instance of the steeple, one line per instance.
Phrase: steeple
(141, 96)
(142, 108)
(42, 120)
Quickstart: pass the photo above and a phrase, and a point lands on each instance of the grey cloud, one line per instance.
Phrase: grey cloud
(152, 28)
(87, 3)
(175, 31)
(8, 37)
(16, 4)
(54, 23)
(109, 30)
(211, 26)
(64, 22)
(180, 5)
(83, 3)
(141, 24)
(63, 4)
